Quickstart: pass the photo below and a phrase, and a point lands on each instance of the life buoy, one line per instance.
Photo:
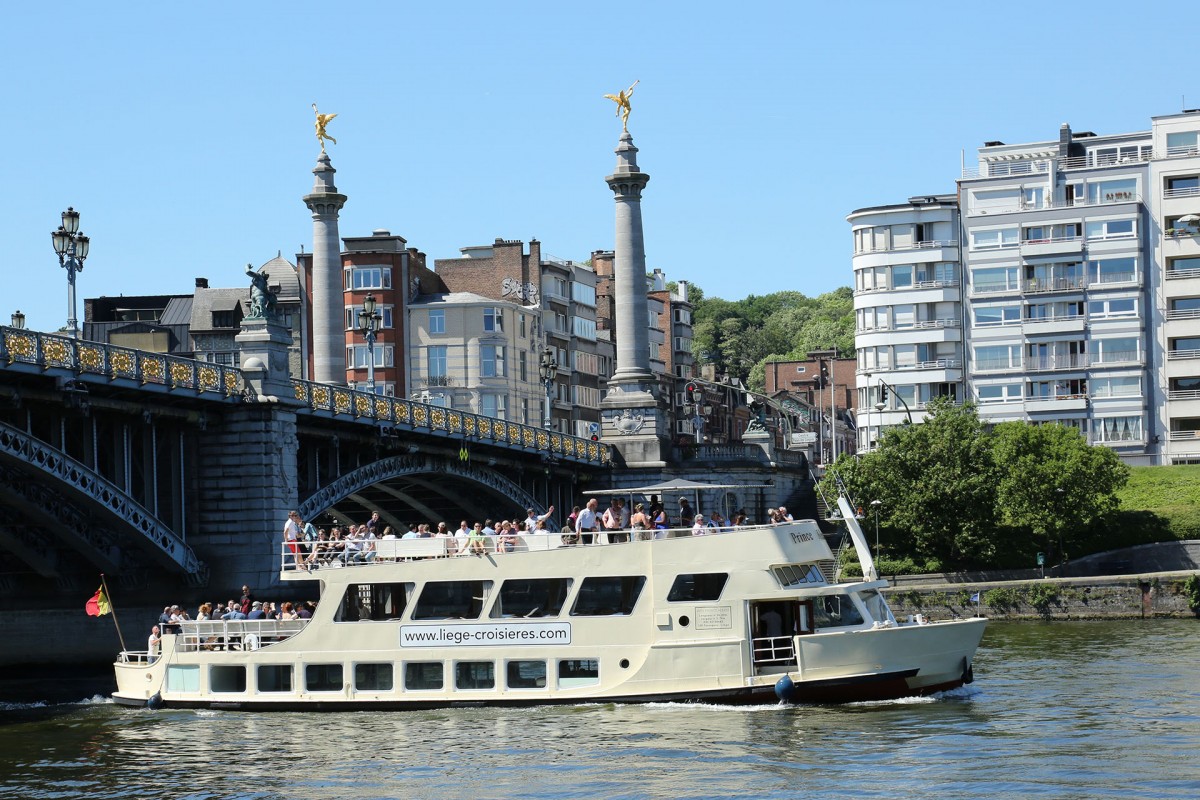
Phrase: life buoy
(250, 642)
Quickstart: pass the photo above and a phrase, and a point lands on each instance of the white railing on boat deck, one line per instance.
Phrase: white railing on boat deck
(318, 555)
(774, 651)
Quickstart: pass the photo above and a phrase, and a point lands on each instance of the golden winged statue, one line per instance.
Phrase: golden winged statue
(622, 101)
(322, 121)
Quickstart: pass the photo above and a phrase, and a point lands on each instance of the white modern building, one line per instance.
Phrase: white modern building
(1080, 281)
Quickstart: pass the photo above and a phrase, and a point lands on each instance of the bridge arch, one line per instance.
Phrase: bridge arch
(431, 472)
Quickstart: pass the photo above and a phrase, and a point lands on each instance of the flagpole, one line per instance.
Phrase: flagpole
(112, 607)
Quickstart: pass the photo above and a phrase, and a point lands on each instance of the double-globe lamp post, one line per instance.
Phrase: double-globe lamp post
(548, 371)
(368, 325)
(72, 249)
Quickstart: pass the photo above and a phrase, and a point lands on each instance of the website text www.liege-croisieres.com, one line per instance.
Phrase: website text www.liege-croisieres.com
(499, 633)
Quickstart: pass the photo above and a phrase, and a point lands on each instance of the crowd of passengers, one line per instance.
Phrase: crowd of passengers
(314, 547)
(246, 608)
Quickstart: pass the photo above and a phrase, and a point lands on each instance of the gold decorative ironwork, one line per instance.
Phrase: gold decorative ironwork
(403, 411)
(231, 383)
(363, 406)
(22, 346)
(420, 415)
(91, 358)
(383, 408)
(57, 353)
(321, 397)
(580, 448)
(605, 454)
(122, 364)
(555, 442)
(301, 392)
(438, 418)
(341, 402)
(527, 437)
(210, 379)
(543, 439)
(485, 427)
(455, 422)
(514, 433)
(469, 426)
(593, 451)
(181, 375)
(153, 369)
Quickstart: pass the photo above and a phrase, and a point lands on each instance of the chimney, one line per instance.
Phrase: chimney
(201, 283)
(1064, 140)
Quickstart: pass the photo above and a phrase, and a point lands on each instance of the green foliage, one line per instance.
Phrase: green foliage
(1042, 595)
(1002, 598)
(739, 337)
(955, 490)
(1191, 588)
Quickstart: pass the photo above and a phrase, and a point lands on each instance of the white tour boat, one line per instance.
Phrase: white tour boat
(741, 616)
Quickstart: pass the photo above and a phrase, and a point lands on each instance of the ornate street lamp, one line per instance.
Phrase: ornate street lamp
(368, 324)
(548, 371)
(72, 249)
(18, 319)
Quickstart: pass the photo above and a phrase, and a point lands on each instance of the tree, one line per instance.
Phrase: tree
(1054, 485)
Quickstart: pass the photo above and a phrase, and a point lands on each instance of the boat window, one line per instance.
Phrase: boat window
(373, 677)
(791, 575)
(697, 587)
(475, 675)
(323, 677)
(600, 597)
(451, 600)
(876, 605)
(275, 678)
(835, 611)
(227, 679)
(421, 675)
(527, 674)
(539, 597)
(183, 678)
(373, 601)
(578, 672)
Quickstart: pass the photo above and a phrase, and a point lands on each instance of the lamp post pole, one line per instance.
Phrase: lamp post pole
(548, 371)
(368, 324)
(875, 504)
(72, 249)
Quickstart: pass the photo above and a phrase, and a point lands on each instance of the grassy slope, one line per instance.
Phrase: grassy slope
(1172, 494)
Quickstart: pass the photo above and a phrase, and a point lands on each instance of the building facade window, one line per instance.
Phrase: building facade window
(493, 405)
(491, 361)
(437, 320)
(584, 328)
(358, 358)
(435, 361)
(358, 278)
(582, 293)
(384, 312)
(493, 320)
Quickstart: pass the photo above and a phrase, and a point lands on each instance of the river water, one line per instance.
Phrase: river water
(1058, 710)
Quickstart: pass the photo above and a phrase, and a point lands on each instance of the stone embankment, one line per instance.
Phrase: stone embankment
(1152, 595)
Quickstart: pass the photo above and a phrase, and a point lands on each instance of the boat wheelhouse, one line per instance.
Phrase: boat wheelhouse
(739, 616)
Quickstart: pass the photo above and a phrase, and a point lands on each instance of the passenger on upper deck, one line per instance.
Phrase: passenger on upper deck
(507, 542)
(614, 521)
(698, 527)
(532, 518)
(686, 514)
(152, 644)
(588, 522)
(639, 522)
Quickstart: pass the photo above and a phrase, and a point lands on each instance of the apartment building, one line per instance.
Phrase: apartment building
(559, 297)
(908, 311)
(1079, 271)
(477, 354)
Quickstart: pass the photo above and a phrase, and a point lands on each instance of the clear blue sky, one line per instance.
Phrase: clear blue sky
(183, 132)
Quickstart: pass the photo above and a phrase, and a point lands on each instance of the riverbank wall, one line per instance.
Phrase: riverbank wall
(1159, 595)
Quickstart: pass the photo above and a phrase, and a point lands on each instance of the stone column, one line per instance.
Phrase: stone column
(634, 421)
(328, 314)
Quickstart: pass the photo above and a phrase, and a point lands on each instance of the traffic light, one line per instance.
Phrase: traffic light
(823, 376)
(595, 437)
(689, 392)
(883, 393)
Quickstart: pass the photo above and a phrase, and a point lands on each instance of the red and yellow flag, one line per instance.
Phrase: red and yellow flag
(99, 604)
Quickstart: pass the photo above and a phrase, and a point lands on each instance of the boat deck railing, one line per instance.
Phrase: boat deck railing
(319, 554)
(774, 651)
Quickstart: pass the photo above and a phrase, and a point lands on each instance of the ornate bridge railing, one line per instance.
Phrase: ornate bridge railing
(47, 351)
(408, 415)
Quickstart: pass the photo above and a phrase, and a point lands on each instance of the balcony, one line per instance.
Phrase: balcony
(1184, 313)
(1057, 363)
(1068, 402)
(1065, 323)
(1181, 355)
(1049, 285)
(929, 245)
(1188, 191)
(1059, 245)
